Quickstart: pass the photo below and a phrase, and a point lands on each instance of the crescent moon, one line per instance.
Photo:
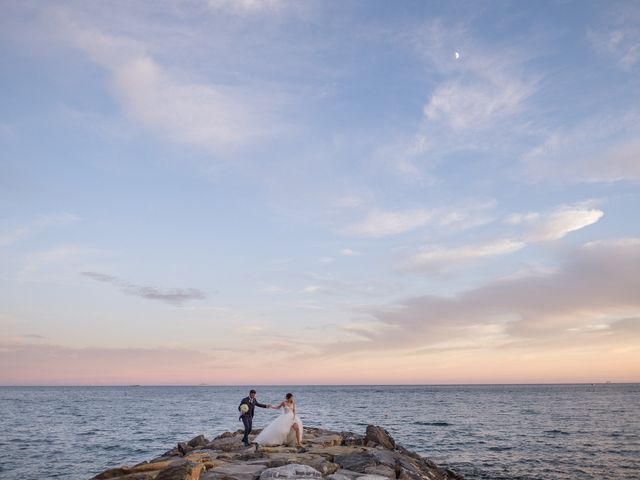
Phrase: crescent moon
(457, 55)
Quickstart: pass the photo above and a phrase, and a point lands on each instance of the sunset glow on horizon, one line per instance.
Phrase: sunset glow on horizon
(302, 193)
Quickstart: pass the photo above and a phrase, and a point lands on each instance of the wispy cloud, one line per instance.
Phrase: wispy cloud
(555, 224)
(463, 215)
(61, 263)
(350, 201)
(439, 258)
(460, 105)
(274, 289)
(602, 148)
(251, 7)
(347, 252)
(314, 289)
(214, 116)
(11, 236)
(485, 83)
(617, 38)
(175, 296)
(380, 223)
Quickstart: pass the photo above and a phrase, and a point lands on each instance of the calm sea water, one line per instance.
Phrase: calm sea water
(484, 432)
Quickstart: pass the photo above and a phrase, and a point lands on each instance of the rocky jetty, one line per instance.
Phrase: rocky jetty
(326, 455)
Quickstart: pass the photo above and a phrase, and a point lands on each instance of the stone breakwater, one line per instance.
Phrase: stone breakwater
(326, 455)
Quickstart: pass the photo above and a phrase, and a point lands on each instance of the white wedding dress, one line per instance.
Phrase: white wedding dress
(279, 432)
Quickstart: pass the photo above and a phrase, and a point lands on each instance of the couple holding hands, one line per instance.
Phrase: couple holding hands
(284, 430)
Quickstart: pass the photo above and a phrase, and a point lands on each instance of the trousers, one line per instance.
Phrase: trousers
(248, 423)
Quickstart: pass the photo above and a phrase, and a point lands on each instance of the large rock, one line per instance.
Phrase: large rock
(321, 464)
(325, 440)
(123, 472)
(379, 436)
(184, 448)
(142, 470)
(386, 457)
(356, 461)
(112, 473)
(226, 443)
(198, 441)
(352, 439)
(153, 466)
(234, 471)
(291, 471)
(182, 471)
(381, 471)
(339, 476)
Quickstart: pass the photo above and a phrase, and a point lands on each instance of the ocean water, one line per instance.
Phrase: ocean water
(531, 432)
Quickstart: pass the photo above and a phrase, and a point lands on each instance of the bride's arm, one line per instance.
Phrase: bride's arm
(277, 407)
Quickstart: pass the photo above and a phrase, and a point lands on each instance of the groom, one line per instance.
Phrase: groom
(247, 417)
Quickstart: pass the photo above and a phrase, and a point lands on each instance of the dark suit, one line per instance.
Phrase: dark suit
(247, 418)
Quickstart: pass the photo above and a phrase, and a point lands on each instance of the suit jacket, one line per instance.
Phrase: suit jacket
(252, 405)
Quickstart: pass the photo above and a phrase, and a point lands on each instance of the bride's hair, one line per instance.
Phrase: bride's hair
(289, 396)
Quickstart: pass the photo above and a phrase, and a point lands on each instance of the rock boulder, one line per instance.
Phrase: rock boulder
(379, 436)
(326, 456)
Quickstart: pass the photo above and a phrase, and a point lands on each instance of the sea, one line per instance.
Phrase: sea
(493, 432)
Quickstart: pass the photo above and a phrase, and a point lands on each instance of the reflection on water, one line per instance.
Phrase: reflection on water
(484, 432)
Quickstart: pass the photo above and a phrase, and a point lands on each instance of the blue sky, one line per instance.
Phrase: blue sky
(368, 192)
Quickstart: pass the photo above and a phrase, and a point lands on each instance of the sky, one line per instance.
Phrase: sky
(244, 192)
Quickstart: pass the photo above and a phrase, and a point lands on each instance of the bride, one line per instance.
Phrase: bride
(284, 430)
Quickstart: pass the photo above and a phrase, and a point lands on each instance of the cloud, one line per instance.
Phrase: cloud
(439, 258)
(461, 105)
(9, 237)
(314, 289)
(251, 329)
(602, 148)
(175, 296)
(441, 220)
(213, 116)
(596, 284)
(468, 215)
(60, 262)
(347, 252)
(240, 7)
(486, 84)
(618, 38)
(274, 289)
(350, 201)
(537, 227)
(380, 223)
(555, 224)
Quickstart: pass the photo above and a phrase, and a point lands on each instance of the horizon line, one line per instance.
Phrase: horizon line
(323, 384)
